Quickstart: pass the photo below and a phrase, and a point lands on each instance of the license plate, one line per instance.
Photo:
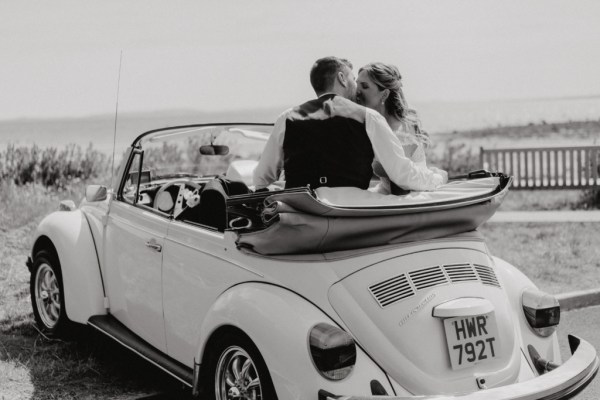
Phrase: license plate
(471, 340)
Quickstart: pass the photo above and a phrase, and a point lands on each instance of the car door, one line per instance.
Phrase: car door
(195, 272)
(134, 238)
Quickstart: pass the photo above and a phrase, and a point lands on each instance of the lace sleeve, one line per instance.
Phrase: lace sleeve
(413, 147)
(389, 152)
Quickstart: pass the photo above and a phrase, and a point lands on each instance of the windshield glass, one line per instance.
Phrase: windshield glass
(202, 151)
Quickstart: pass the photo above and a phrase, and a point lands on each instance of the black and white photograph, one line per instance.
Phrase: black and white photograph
(285, 200)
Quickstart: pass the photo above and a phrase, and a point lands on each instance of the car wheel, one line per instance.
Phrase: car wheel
(47, 296)
(240, 372)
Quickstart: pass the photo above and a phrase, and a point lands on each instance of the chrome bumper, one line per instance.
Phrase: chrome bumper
(561, 383)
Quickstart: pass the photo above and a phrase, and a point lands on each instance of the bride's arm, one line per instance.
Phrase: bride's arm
(390, 153)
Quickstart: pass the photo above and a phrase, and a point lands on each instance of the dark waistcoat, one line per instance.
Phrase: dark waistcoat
(325, 152)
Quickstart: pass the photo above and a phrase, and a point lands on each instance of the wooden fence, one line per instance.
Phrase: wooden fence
(546, 168)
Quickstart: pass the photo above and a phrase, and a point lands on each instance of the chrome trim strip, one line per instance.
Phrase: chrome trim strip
(500, 192)
(87, 219)
(139, 354)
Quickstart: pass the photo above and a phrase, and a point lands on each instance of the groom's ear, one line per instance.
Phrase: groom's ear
(342, 78)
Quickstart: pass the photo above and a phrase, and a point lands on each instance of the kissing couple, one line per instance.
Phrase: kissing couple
(356, 127)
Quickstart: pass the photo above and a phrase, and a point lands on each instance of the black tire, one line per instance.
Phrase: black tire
(220, 363)
(47, 295)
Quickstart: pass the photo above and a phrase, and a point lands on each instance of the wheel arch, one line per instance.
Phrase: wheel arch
(43, 242)
(278, 321)
(68, 235)
(216, 336)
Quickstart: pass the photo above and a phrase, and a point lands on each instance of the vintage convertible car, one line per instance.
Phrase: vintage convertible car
(333, 293)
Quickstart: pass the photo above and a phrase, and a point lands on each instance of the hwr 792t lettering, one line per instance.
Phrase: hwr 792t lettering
(470, 339)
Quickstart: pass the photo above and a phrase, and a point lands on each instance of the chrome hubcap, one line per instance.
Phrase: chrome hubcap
(236, 376)
(47, 296)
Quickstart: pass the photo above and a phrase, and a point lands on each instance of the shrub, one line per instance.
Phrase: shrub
(51, 167)
(457, 159)
(589, 199)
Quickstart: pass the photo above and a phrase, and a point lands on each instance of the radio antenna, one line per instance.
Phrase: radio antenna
(112, 168)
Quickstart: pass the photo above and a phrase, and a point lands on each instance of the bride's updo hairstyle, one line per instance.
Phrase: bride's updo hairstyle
(387, 76)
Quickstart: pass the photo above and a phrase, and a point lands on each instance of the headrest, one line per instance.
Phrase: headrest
(164, 201)
(233, 188)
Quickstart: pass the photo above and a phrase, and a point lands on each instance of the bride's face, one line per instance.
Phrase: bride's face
(367, 92)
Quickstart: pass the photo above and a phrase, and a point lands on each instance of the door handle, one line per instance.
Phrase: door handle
(153, 245)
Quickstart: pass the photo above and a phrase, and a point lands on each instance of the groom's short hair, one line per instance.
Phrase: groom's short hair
(323, 72)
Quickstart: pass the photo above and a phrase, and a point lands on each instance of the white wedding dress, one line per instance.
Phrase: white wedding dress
(414, 145)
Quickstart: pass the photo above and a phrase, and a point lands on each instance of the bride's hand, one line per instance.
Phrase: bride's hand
(342, 107)
(441, 172)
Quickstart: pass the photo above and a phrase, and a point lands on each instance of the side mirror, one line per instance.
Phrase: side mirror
(95, 193)
(67, 205)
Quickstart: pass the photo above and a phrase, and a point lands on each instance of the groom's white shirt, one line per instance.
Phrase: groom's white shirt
(386, 146)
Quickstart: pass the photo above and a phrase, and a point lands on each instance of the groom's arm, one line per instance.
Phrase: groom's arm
(270, 164)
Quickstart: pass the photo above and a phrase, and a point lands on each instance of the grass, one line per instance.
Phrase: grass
(558, 257)
(546, 200)
(19, 205)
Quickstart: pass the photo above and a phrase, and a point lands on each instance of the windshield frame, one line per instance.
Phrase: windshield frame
(137, 140)
(146, 137)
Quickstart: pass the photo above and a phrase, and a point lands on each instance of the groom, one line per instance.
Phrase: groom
(317, 149)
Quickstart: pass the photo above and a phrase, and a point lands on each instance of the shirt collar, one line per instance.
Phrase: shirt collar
(328, 94)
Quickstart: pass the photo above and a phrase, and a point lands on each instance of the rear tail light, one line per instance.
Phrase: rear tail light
(542, 311)
(333, 351)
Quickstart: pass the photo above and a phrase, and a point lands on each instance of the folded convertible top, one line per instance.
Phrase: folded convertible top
(333, 219)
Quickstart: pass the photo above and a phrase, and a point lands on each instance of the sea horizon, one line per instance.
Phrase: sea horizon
(436, 117)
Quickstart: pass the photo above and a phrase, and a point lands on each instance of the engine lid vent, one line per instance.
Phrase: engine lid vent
(487, 275)
(391, 290)
(428, 277)
(460, 272)
(401, 286)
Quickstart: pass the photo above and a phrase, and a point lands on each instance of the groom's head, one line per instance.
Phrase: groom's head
(333, 75)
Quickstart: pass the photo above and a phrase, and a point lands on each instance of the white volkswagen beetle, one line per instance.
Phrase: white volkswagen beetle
(298, 294)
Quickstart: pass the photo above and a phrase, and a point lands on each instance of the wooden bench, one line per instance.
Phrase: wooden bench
(546, 168)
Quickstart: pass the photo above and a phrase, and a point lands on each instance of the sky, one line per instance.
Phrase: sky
(61, 58)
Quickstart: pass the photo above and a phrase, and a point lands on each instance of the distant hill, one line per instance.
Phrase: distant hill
(442, 117)
(557, 134)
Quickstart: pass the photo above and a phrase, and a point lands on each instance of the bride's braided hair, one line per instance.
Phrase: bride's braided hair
(387, 76)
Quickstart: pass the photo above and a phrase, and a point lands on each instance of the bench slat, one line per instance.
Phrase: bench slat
(556, 162)
(594, 168)
(525, 177)
(572, 156)
(582, 156)
(533, 168)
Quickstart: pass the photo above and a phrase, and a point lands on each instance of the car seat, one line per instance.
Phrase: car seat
(213, 201)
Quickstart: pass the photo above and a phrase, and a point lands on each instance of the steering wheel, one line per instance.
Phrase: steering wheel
(182, 183)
